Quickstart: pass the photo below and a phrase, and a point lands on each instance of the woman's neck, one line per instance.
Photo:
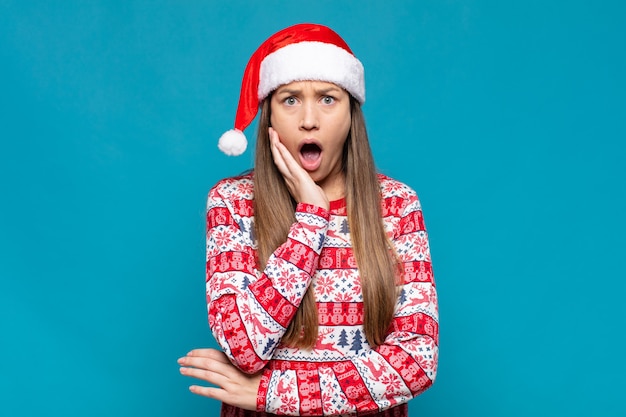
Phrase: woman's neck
(334, 188)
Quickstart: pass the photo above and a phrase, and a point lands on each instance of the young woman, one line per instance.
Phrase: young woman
(319, 282)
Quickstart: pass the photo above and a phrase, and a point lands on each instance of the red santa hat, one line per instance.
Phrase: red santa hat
(297, 53)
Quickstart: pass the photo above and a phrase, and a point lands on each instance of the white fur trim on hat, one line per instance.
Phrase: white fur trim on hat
(305, 61)
(233, 142)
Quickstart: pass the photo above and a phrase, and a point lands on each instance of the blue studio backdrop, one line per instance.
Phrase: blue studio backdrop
(508, 118)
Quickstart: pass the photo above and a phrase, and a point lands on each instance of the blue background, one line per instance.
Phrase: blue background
(508, 118)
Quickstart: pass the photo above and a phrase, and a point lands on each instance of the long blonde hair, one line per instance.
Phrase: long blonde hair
(274, 214)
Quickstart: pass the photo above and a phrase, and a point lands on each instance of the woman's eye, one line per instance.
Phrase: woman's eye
(290, 101)
(328, 100)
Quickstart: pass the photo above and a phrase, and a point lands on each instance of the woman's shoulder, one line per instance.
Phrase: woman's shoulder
(234, 188)
(393, 188)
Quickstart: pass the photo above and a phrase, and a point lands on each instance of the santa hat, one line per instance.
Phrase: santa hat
(297, 53)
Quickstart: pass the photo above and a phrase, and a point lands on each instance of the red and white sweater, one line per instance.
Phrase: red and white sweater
(249, 310)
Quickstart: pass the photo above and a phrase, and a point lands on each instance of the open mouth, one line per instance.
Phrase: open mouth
(310, 156)
(310, 152)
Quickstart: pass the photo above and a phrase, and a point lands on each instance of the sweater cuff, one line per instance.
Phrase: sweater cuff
(306, 208)
(261, 395)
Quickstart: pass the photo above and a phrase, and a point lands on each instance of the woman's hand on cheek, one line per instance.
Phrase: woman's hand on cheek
(299, 182)
(232, 386)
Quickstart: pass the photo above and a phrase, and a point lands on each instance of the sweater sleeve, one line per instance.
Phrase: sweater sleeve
(249, 310)
(375, 379)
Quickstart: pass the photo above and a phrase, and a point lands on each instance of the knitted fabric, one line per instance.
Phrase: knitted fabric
(249, 309)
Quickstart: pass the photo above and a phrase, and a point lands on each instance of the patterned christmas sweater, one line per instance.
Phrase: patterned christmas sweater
(249, 309)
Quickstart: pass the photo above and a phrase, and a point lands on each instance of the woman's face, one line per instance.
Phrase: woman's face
(312, 119)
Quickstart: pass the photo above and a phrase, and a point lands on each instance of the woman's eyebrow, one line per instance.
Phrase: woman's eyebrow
(292, 92)
(327, 90)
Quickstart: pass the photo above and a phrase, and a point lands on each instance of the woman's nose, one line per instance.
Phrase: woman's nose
(309, 119)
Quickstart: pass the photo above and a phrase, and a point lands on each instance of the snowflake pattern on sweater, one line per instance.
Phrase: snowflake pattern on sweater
(249, 310)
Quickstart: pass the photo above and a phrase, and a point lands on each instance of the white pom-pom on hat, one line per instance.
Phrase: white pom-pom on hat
(301, 52)
(233, 142)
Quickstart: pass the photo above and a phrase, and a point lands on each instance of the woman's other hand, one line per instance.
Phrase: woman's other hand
(232, 386)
